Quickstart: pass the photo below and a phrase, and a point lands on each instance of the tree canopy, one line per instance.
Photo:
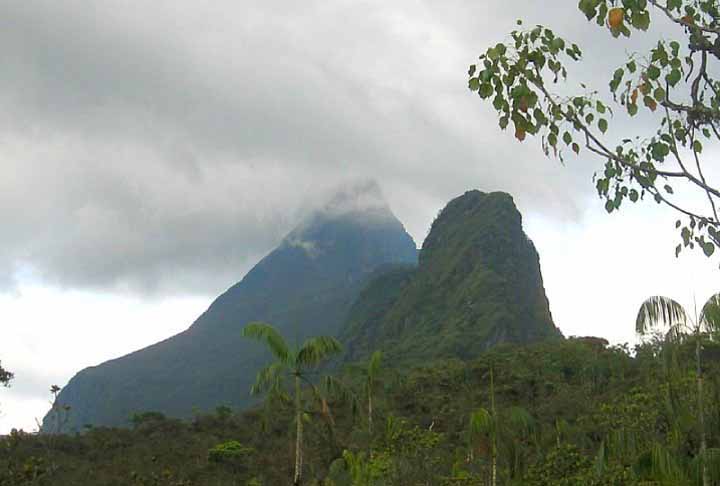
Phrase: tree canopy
(674, 82)
(5, 376)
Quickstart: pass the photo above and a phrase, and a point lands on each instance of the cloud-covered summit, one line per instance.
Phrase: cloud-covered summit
(359, 196)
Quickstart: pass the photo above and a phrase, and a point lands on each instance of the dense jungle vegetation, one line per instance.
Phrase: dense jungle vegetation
(565, 412)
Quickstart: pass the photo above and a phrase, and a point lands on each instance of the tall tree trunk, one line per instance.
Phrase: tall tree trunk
(370, 412)
(494, 465)
(299, 433)
(494, 429)
(701, 412)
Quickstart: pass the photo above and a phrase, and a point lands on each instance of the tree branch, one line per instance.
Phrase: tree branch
(680, 21)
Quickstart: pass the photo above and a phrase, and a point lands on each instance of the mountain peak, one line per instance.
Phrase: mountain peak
(478, 284)
(304, 287)
(356, 208)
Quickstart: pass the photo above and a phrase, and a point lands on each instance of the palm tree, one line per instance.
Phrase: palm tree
(483, 423)
(294, 362)
(663, 314)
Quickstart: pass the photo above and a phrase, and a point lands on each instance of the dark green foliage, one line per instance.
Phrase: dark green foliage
(569, 412)
(5, 376)
(478, 284)
(232, 454)
(304, 287)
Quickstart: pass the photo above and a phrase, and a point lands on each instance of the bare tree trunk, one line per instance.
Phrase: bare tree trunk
(494, 466)
(701, 412)
(299, 433)
(495, 427)
(370, 412)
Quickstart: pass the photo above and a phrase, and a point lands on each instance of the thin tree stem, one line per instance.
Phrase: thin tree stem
(701, 413)
(299, 433)
(494, 429)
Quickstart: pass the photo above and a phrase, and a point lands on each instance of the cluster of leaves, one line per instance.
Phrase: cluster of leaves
(5, 376)
(231, 452)
(404, 454)
(673, 82)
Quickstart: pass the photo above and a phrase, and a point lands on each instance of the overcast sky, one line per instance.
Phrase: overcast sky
(152, 152)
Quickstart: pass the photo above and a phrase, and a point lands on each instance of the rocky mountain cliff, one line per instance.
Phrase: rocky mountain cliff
(304, 287)
(478, 284)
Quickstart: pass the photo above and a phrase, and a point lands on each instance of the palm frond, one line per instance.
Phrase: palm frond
(269, 379)
(267, 334)
(337, 389)
(660, 312)
(316, 350)
(710, 315)
(481, 422)
(374, 364)
(600, 460)
(676, 335)
(520, 419)
(664, 464)
(712, 460)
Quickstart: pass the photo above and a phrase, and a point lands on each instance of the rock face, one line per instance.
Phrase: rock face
(478, 284)
(305, 287)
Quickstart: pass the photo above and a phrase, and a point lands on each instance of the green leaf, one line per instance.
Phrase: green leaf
(603, 125)
(552, 139)
(589, 8)
(485, 90)
(673, 77)
(653, 72)
(474, 84)
(641, 20)
(708, 249)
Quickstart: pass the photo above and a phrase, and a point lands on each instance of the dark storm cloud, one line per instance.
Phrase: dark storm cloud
(168, 145)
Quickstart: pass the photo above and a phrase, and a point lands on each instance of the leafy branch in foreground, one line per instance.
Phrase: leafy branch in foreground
(674, 82)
